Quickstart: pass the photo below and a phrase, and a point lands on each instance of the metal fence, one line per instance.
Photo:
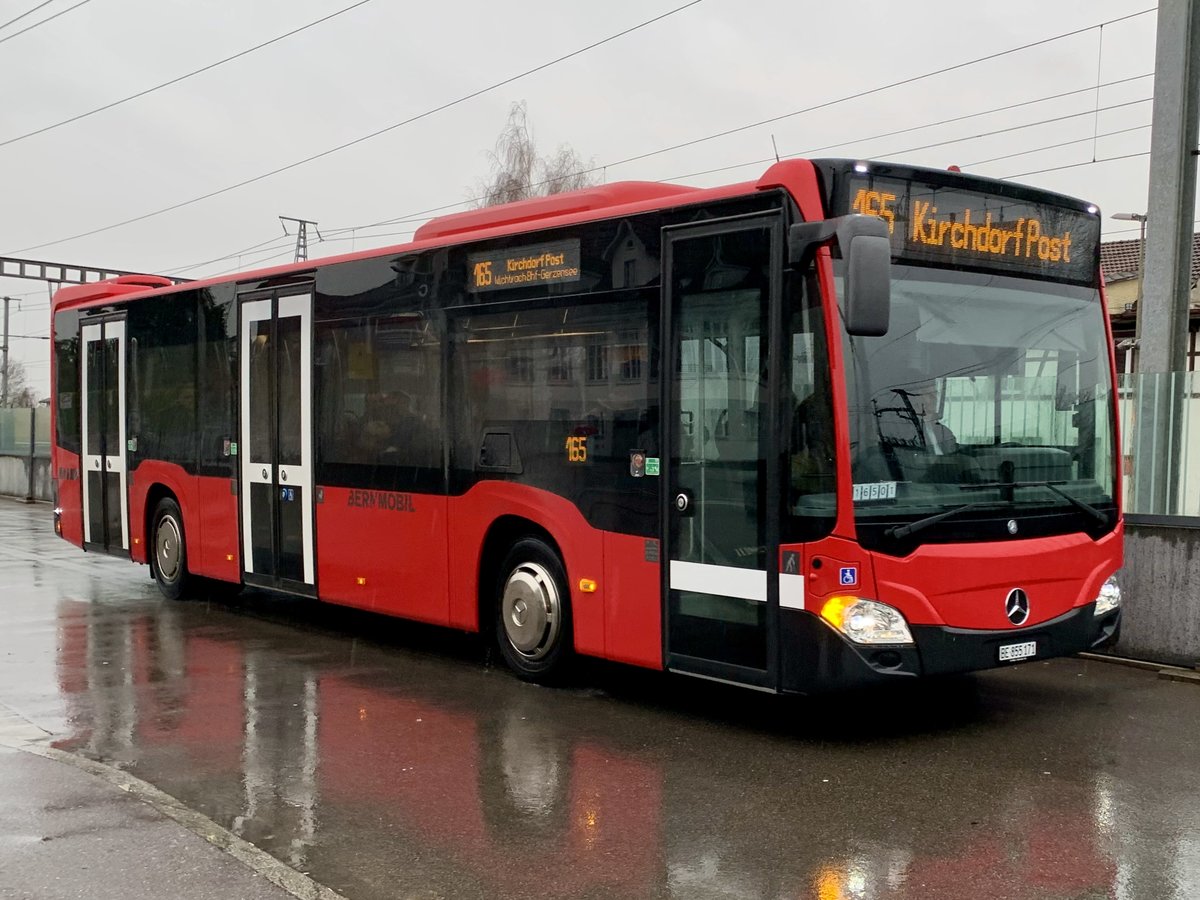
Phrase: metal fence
(1172, 433)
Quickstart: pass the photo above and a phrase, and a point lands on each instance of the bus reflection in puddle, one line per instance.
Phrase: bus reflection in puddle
(364, 781)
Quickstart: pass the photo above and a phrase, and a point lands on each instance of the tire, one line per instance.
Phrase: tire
(169, 544)
(533, 611)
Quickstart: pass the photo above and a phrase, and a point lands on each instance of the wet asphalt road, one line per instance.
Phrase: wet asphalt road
(389, 760)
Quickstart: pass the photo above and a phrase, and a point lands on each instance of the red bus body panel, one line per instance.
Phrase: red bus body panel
(632, 609)
(219, 547)
(965, 585)
(384, 551)
(69, 482)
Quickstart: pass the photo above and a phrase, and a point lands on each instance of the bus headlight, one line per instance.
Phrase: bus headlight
(1109, 597)
(866, 621)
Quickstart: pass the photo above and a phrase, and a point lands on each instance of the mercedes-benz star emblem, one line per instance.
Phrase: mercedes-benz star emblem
(1012, 526)
(1016, 606)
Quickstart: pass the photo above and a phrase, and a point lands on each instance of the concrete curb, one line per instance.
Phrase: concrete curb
(1167, 673)
(18, 733)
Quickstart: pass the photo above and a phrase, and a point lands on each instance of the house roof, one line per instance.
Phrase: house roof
(1119, 259)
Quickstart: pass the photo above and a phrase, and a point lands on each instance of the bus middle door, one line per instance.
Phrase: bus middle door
(276, 483)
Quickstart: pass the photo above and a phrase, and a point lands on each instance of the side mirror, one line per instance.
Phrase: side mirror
(863, 242)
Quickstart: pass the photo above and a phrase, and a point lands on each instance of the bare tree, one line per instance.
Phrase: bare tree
(19, 392)
(518, 173)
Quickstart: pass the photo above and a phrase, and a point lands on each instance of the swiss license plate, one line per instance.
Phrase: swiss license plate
(1013, 652)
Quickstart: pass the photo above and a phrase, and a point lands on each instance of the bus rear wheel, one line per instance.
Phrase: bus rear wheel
(533, 611)
(170, 550)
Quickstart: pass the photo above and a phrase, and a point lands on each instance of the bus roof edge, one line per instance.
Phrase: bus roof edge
(621, 193)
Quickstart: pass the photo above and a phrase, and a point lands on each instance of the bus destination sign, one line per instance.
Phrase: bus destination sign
(947, 225)
(555, 263)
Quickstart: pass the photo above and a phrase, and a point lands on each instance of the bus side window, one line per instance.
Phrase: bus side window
(218, 389)
(560, 398)
(67, 402)
(162, 378)
(379, 394)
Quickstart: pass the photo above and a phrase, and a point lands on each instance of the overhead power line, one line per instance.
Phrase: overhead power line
(993, 133)
(422, 214)
(987, 112)
(828, 147)
(344, 231)
(812, 151)
(28, 12)
(217, 259)
(255, 263)
(1083, 140)
(374, 134)
(1137, 230)
(876, 90)
(201, 70)
(1090, 162)
(28, 28)
(421, 217)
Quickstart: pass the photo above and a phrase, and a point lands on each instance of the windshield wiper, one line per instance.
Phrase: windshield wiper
(1100, 517)
(903, 531)
(1053, 487)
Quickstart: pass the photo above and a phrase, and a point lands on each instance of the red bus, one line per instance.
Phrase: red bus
(846, 424)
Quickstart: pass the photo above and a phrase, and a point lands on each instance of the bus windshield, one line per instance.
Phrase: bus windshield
(985, 412)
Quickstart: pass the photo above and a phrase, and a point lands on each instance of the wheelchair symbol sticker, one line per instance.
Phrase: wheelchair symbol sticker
(848, 576)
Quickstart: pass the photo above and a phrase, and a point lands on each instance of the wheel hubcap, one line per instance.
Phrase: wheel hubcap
(167, 543)
(530, 610)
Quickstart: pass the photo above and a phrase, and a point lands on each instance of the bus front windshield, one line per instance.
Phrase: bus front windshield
(984, 413)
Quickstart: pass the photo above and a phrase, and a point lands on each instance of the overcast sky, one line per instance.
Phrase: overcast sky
(712, 67)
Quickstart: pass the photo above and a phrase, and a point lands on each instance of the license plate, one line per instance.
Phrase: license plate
(1013, 652)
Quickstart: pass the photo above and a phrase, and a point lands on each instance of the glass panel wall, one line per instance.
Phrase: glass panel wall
(16, 425)
(1160, 418)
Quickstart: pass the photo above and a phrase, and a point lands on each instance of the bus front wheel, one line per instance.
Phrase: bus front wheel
(533, 611)
(170, 549)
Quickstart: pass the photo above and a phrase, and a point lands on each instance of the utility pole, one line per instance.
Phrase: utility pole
(4, 348)
(1163, 312)
(301, 234)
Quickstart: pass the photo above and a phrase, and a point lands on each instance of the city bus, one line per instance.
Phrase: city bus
(847, 424)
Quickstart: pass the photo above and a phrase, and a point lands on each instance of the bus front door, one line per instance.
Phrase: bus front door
(276, 484)
(105, 495)
(721, 295)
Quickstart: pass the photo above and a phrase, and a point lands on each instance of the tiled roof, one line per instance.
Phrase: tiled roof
(1119, 259)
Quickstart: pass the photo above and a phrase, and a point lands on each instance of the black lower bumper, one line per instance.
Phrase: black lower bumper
(816, 658)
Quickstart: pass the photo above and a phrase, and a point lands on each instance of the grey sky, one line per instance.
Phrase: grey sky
(716, 66)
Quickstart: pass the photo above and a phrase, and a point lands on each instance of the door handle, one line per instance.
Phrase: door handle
(683, 504)
(265, 474)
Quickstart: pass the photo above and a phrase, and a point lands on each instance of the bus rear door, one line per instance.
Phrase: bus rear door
(105, 494)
